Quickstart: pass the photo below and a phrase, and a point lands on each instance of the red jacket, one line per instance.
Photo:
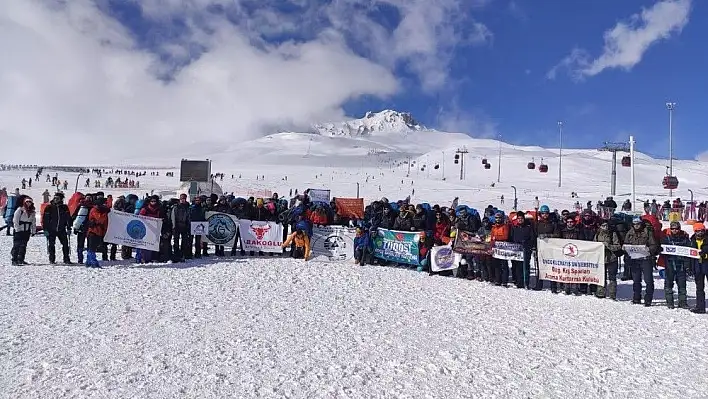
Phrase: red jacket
(442, 232)
(98, 221)
(150, 211)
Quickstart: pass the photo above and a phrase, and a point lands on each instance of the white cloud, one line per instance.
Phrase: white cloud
(626, 43)
(76, 87)
(474, 122)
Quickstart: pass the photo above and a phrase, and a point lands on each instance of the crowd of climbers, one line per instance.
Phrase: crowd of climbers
(86, 218)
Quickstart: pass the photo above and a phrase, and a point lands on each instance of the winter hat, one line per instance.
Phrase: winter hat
(544, 209)
(699, 227)
(636, 220)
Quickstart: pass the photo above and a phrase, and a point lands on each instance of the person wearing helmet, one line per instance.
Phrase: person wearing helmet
(700, 269)
(676, 266)
(640, 267)
(546, 227)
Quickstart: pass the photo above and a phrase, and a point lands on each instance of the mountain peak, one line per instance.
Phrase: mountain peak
(386, 121)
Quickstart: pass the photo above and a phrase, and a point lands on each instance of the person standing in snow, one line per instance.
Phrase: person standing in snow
(45, 196)
(639, 234)
(97, 227)
(25, 225)
(700, 268)
(675, 266)
(181, 229)
(613, 248)
(56, 223)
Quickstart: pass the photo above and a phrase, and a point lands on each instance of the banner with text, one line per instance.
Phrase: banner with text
(397, 246)
(352, 208)
(636, 251)
(223, 229)
(318, 195)
(199, 228)
(133, 231)
(261, 236)
(467, 243)
(508, 251)
(332, 243)
(571, 261)
(444, 258)
(677, 250)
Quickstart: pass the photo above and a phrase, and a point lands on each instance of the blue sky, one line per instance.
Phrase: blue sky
(213, 71)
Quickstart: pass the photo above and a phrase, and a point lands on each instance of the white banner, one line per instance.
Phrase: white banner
(199, 228)
(261, 236)
(571, 261)
(677, 250)
(134, 231)
(319, 195)
(508, 251)
(443, 258)
(332, 243)
(636, 251)
(223, 229)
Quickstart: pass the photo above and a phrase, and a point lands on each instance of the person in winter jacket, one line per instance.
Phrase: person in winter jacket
(181, 227)
(24, 223)
(500, 233)
(640, 235)
(97, 227)
(610, 239)
(56, 223)
(675, 266)
(442, 229)
(700, 267)
(302, 244)
(196, 214)
(362, 246)
(151, 209)
(404, 221)
(523, 233)
(45, 196)
(546, 227)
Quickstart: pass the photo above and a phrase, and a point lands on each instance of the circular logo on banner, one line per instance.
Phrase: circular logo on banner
(445, 258)
(570, 250)
(136, 229)
(339, 247)
(222, 229)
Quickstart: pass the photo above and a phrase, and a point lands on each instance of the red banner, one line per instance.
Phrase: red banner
(352, 208)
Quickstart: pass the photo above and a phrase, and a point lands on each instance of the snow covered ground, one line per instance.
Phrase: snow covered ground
(282, 328)
(245, 327)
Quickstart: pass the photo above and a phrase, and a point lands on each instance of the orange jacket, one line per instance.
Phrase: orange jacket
(500, 232)
(98, 222)
(301, 241)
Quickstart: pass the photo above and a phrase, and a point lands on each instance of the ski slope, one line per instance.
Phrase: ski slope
(274, 327)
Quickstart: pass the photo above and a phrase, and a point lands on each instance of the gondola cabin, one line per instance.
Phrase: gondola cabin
(457, 158)
(484, 161)
(487, 166)
(543, 168)
(626, 162)
(670, 182)
(531, 166)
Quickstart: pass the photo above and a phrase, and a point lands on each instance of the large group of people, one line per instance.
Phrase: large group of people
(85, 216)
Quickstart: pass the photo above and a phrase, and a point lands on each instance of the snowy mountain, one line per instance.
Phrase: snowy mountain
(371, 124)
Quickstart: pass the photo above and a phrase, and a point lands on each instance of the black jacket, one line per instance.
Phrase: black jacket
(56, 218)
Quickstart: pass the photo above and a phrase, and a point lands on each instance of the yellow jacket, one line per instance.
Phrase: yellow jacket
(301, 241)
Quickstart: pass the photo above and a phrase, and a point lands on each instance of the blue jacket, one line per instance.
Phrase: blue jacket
(362, 241)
